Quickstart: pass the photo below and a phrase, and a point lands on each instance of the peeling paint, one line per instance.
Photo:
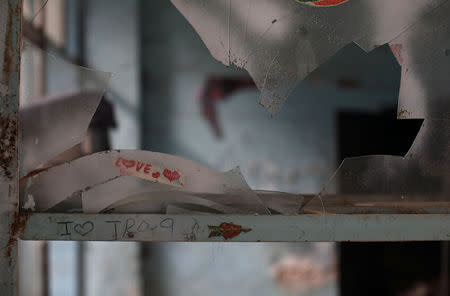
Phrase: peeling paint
(8, 148)
(8, 116)
(10, 59)
(12, 222)
(17, 228)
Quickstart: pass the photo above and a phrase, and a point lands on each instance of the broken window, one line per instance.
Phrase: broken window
(54, 117)
(279, 43)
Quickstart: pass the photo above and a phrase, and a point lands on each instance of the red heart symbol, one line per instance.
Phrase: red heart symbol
(128, 163)
(156, 175)
(171, 175)
(232, 230)
(327, 2)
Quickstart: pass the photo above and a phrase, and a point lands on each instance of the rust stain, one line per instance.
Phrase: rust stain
(9, 124)
(7, 59)
(8, 116)
(35, 173)
(8, 140)
(403, 113)
(17, 227)
(11, 56)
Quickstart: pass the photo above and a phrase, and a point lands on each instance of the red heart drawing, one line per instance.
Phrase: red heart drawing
(231, 230)
(324, 3)
(227, 230)
(128, 163)
(156, 175)
(171, 175)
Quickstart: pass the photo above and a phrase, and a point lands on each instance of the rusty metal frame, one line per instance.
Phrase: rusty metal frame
(11, 222)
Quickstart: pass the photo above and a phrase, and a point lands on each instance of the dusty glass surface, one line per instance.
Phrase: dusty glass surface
(280, 42)
(423, 50)
(416, 183)
(54, 116)
(419, 182)
(104, 178)
(163, 202)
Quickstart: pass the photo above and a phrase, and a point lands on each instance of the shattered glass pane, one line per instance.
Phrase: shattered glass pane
(416, 183)
(33, 10)
(54, 117)
(420, 181)
(423, 50)
(280, 42)
(282, 203)
(152, 200)
(105, 178)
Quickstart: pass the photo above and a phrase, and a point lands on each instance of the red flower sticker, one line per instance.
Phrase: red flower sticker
(227, 230)
(171, 175)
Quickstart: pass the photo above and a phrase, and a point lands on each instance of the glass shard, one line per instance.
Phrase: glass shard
(105, 178)
(154, 200)
(54, 121)
(420, 181)
(282, 203)
(424, 53)
(416, 183)
(280, 42)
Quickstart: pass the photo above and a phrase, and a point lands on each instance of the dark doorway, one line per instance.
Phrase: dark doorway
(397, 269)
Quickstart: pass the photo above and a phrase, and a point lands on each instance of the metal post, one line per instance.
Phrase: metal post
(11, 224)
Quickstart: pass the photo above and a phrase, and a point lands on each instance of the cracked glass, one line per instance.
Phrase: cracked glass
(141, 179)
(280, 42)
(54, 115)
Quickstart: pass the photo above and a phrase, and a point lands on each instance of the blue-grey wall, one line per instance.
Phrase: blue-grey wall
(293, 151)
(112, 45)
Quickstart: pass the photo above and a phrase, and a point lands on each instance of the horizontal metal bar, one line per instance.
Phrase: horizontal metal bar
(302, 228)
